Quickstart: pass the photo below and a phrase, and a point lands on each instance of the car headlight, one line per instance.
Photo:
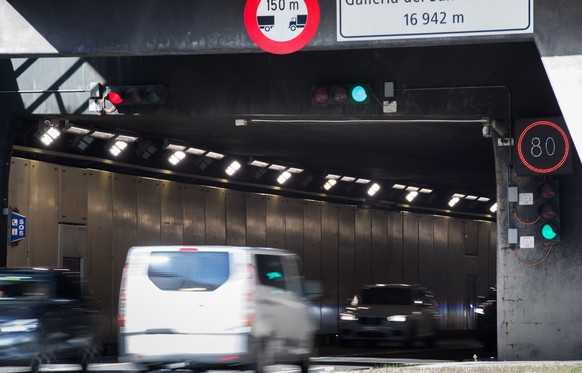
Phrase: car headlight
(348, 317)
(15, 326)
(397, 318)
(480, 311)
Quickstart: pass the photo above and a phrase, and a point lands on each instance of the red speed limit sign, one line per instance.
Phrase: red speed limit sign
(543, 147)
(281, 26)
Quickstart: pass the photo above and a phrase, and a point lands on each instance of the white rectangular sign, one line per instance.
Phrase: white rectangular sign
(403, 19)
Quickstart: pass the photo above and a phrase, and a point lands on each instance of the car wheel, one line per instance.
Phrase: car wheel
(44, 357)
(305, 365)
(90, 355)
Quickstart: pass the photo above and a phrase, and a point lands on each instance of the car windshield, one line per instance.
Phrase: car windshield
(23, 287)
(390, 296)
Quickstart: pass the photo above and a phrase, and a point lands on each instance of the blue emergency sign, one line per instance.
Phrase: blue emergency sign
(17, 227)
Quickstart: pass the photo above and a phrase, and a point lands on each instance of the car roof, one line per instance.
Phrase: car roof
(394, 286)
(270, 250)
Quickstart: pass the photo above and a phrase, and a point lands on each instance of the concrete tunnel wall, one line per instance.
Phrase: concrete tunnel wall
(97, 215)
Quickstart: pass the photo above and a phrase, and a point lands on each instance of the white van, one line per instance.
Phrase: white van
(215, 307)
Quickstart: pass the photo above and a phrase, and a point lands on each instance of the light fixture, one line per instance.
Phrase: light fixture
(332, 176)
(348, 179)
(232, 168)
(493, 207)
(48, 135)
(102, 135)
(174, 147)
(283, 177)
(295, 170)
(471, 198)
(483, 199)
(126, 138)
(214, 155)
(115, 147)
(146, 149)
(329, 184)
(176, 157)
(411, 196)
(455, 199)
(81, 142)
(276, 167)
(425, 190)
(412, 189)
(256, 163)
(195, 151)
(76, 130)
(399, 186)
(374, 188)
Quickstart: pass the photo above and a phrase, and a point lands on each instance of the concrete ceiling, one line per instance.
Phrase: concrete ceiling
(434, 141)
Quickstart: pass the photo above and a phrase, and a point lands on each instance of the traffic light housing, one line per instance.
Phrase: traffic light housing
(548, 207)
(136, 94)
(341, 94)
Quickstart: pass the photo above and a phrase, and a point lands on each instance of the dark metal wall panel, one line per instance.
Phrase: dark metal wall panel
(236, 232)
(124, 227)
(294, 226)
(172, 213)
(44, 211)
(256, 219)
(395, 271)
(72, 195)
(456, 275)
(483, 280)
(148, 210)
(346, 246)
(73, 243)
(194, 215)
(275, 221)
(471, 242)
(99, 247)
(379, 247)
(312, 247)
(215, 216)
(441, 255)
(18, 198)
(410, 248)
(329, 268)
(363, 247)
(426, 251)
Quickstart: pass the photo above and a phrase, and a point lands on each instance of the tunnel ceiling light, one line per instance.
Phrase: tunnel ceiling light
(176, 157)
(471, 198)
(126, 138)
(295, 170)
(232, 168)
(399, 186)
(195, 151)
(330, 183)
(102, 135)
(493, 207)
(260, 164)
(374, 188)
(363, 181)
(458, 195)
(76, 130)
(174, 147)
(454, 200)
(483, 199)
(277, 167)
(48, 135)
(332, 176)
(283, 177)
(115, 147)
(411, 196)
(412, 189)
(214, 155)
(425, 190)
(348, 179)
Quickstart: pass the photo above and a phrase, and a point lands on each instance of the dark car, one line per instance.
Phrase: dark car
(45, 319)
(486, 312)
(390, 312)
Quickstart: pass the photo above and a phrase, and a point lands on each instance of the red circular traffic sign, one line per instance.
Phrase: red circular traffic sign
(281, 26)
(543, 147)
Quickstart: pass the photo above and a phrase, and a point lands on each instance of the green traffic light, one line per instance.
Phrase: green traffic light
(359, 94)
(548, 232)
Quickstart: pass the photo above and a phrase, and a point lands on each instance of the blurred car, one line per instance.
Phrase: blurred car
(215, 307)
(486, 312)
(390, 312)
(44, 318)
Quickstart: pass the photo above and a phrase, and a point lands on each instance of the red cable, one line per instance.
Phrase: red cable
(537, 263)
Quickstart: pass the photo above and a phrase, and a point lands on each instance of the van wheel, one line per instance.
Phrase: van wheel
(263, 356)
(90, 355)
(304, 365)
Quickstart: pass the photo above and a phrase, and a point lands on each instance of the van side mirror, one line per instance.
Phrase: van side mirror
(312, 289)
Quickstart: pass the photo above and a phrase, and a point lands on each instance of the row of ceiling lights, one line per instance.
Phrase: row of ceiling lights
(50, 130)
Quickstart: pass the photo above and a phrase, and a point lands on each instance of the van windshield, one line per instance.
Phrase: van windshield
(188, 270)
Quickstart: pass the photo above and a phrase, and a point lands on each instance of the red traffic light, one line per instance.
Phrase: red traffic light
(136, 95)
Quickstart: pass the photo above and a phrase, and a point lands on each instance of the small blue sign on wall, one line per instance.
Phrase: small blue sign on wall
(17, 227)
